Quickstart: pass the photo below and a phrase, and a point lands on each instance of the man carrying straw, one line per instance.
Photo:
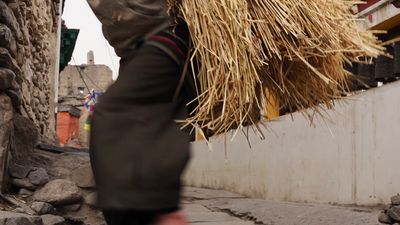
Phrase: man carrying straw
(243, 51)
(138, 151)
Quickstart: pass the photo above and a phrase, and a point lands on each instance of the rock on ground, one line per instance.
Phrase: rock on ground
(42, 208)
(9, 218)
(53, 220)
(23, 183)
(19, 171)
(71, 208)
(91, 199)
(39, 176)
(19, 210)
(383, 218)
(395, 200)
(63, 166)
(25, 192)
(394, 213)
(59, 192)
(391, 213)
(83, 177)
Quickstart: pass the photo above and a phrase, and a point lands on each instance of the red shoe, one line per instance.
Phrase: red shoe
(175, 218)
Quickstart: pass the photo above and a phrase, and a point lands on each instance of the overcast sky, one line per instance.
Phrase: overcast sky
(77, 14)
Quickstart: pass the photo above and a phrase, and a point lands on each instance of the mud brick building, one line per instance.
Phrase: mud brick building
(76, 82)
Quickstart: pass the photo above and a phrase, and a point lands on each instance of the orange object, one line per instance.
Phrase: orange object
(67, 127)
(199, 135)
(272, 107)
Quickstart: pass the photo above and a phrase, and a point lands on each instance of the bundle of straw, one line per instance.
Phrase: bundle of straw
(245, 49)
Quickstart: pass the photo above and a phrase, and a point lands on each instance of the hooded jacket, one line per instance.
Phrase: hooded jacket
(127, 22)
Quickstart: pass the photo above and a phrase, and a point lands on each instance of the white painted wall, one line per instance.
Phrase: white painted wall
(353, 158)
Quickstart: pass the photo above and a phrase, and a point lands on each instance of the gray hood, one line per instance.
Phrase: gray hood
(125, 22)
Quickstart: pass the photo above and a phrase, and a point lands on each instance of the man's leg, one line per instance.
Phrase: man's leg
(113, 217)
(130, 217)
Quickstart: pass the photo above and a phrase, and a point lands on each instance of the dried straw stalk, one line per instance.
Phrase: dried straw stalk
(295, 49)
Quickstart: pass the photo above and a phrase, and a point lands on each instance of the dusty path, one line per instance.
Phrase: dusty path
(212, 207)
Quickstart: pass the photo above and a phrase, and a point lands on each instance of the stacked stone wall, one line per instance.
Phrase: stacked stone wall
(28, 35)
(30, 28)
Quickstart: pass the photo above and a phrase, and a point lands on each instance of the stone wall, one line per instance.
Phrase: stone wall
(28, 35)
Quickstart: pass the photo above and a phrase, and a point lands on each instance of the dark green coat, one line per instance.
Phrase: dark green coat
(138, 151)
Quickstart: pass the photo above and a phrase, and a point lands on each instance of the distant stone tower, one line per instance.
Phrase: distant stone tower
(90, 58)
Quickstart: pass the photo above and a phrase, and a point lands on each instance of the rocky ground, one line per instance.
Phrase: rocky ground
(58, 189)
(391, 213)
